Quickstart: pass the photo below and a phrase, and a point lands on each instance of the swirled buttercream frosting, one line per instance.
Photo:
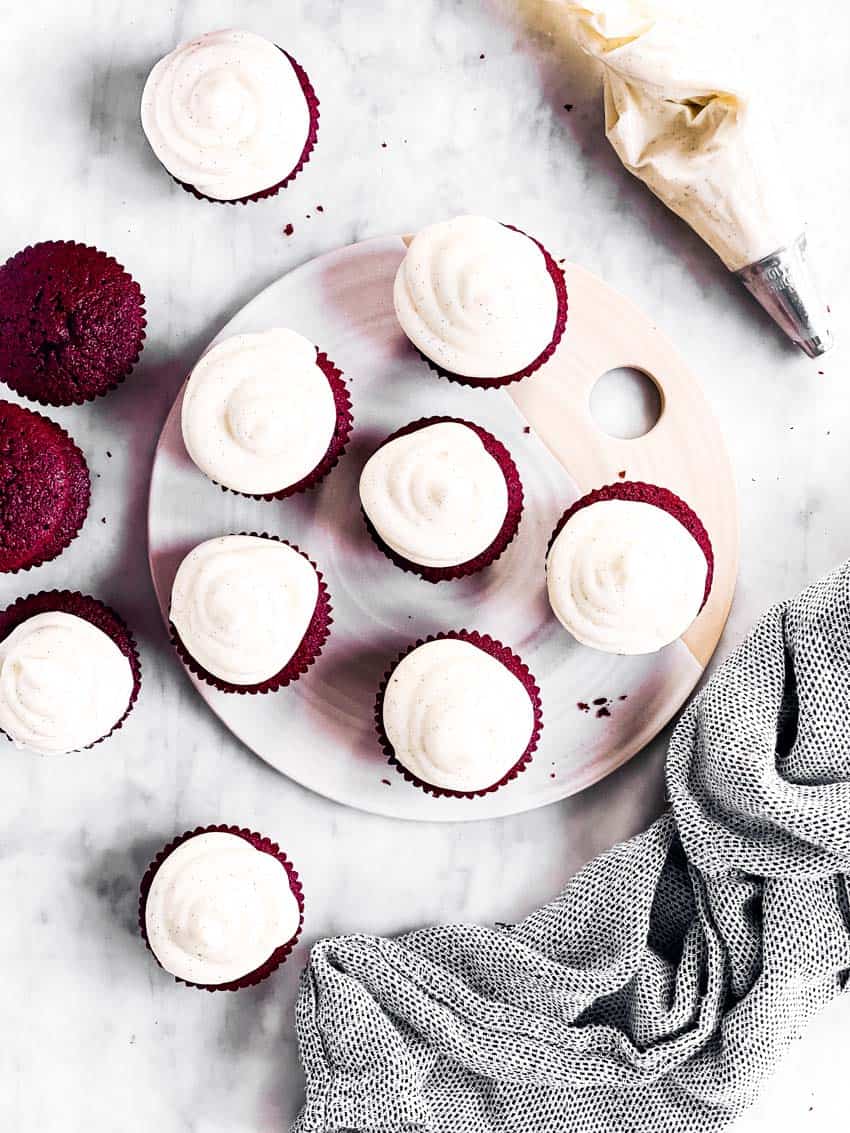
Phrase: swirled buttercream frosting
(455, 716)
(435, 496)
(64, 683)
(258, 412)
(217, 909)
(476, 297)
(625, 577)
(241, 605)
(226, 114)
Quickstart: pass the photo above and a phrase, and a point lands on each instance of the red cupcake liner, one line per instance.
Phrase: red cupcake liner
(304, 656)
(72, 323)
(506, 533)
(28, 475)
(638, 492)
(338, 442)
(266, 846)
(92, 610)
(514, 664)
(557, 277)
(312, 137)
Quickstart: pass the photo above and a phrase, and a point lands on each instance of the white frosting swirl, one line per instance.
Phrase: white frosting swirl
(455, 716)
(241, 605)
(625, 577)
(226, 113)
(476, 297)
(64, 683)
(435, 496)
(258, 413)
(218, 908)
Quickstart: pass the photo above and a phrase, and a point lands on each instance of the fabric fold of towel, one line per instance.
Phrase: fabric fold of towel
(659, 989)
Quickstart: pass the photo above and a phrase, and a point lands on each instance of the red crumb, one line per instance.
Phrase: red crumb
(386, 782)
(582, 707)
(527, 429)
(603, 712)
(551, 774)
(383, 145)
(288, 229)
(623, 697)
(622, 473)
(820, 372)
(568, 106)
(320, 208)
(600, 700)
(481, 56)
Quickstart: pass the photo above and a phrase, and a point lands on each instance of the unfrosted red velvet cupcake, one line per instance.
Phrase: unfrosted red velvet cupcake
(232, 117)
(249, 613)
(221, 908)
(483, 303)
(45, 488)
(459, 715)
(72, 323)
(266, 415)
(442, 498)
(69, 672)
(629, 568)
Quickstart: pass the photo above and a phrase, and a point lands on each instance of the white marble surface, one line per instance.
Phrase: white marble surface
(95, 1037)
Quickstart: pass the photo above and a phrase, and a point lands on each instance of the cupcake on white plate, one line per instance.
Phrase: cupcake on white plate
(459, 715)
(220, 908)
(483, 303)
(266, 415)
(442, 498)
(231, 116)
(629, 568)
(249, 613)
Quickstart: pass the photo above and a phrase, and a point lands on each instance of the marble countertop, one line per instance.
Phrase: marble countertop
(428, 109)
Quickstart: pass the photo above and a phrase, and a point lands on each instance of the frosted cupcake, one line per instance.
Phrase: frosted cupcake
(629, 568)
(482, 302)
(266, 415)
(231, 116)
(459, 715)
(249, 613)
(69, 672)
(442, 498)
(220, 908)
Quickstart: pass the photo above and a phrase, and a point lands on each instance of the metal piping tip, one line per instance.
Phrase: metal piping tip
(783, 284)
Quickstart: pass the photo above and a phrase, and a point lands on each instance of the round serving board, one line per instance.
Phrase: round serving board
(320, 731)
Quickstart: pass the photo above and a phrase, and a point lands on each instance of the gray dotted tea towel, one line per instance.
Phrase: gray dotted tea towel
(658, 990)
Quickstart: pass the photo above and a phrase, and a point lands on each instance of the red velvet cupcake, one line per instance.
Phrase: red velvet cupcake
(221, 908)
(69, 672)
(441, 498)
(483, 303)
(459, 715)
(45, 494)
(648, 562)
(249, 613)
(72, 323)
(232, 117)
(266, 415)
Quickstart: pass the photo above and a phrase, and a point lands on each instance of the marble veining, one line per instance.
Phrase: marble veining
(428, 110)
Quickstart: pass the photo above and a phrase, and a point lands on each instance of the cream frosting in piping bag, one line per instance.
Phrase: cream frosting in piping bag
(680, 117)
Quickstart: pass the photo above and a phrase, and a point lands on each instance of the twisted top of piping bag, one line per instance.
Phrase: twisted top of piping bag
(678, 114)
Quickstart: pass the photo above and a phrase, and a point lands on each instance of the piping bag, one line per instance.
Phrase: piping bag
(680, 119)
